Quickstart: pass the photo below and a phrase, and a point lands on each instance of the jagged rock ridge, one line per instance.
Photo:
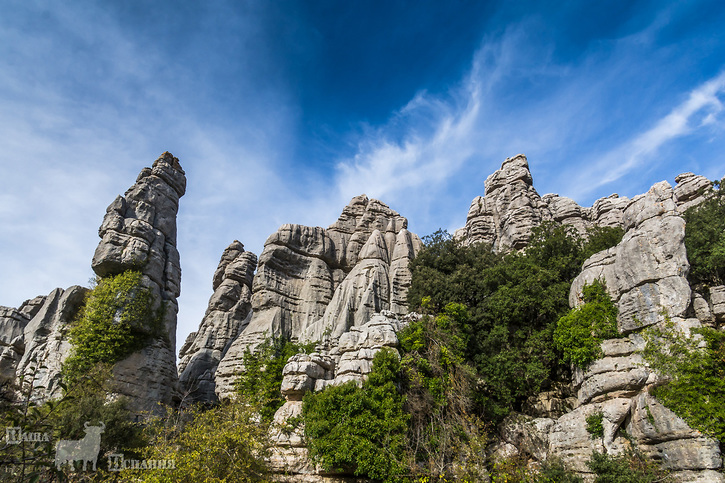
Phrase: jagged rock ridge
(228, 314)
(312, 282)
(138, 232)
(505, 216)
(644, 274)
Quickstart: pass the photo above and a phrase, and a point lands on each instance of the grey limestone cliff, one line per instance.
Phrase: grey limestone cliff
(33, 342)
(312, 281)
(646, 276)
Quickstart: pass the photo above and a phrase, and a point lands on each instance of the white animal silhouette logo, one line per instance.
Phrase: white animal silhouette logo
(86, 449)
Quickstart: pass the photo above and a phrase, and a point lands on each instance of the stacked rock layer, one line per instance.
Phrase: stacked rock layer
(313, 282)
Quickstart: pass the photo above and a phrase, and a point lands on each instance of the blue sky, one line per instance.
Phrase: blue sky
(281, 111)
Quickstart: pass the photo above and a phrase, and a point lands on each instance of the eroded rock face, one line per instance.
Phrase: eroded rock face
(227, 315)
(312, 282)
(512, 208)
(139, 232)
(33, 342)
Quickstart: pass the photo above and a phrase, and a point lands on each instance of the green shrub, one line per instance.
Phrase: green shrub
(262, 377)
(595, 426)
(579, 334)
(696, 389)
(516, 469)
(118, 319)
(224, 444)
(629, 468)
(444, 438)
(85, 400)
(361, 430)
(705, 239)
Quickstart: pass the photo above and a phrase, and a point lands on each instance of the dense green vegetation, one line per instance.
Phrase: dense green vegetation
(632, 467)
(705, 239)
(360, 429)
(579, 334)
(517, 470)
(262, 377)
(514, 301)
(118, 319)
(444, 435)
(696, 390)
(223, 444)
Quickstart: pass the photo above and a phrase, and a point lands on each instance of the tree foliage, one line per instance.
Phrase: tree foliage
(705, 239)
(224, 444)
(514, 302)
(579, 333)
(696, 388)
(632, 467)
(445, 437)
(262, 377)
(360, 429)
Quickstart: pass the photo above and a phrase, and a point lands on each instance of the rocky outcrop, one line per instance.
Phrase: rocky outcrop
(139, 232)
(312, 282)
(228, 313)
(646, 276)
(33, 341)
(511, 208)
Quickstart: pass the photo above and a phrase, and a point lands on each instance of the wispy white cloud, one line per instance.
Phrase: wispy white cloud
(699, 110)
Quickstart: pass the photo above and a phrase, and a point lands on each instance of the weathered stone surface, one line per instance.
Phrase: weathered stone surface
(686, 454)
(647, 270)
(691, 190)
(510, 209)
(717, 299)
(227, 315)
(570, 441)
(528, 435)
(301, 373)
(139, 232)
(651, 422)
(42, 347)
(315, 282)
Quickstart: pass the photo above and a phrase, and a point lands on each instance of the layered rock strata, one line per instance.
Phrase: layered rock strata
(511, 208)
(312, 282)
(139, 233)
(228, 313)
(33, 342)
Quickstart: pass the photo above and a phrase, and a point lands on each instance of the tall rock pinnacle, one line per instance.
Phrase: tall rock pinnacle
(139, 232)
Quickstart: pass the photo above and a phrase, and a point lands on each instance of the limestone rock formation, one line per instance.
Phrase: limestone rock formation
(227, 315)
(33, 342)
(512, 208)
(139, 232)
(312, 282)
(646, 276)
